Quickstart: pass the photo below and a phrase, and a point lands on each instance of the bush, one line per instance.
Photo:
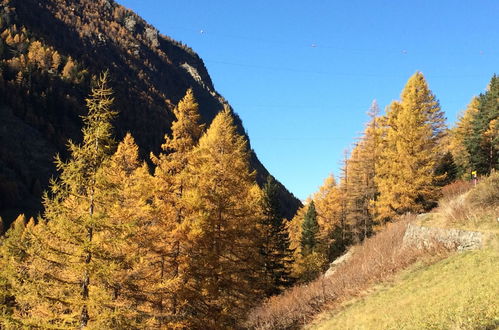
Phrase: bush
(477, 209)
(456, 188)
(310, 267)
(486, 193)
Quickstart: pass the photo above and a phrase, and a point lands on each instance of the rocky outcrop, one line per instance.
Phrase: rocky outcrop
(339, 261)
(421, 236)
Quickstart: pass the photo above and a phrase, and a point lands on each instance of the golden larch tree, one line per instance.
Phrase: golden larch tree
(362, 189)
(169, 189)
(457, 136)
(405, 174)
(14, 258)
(222, 208)
(62, 287)
(124, 238)
(328, 202)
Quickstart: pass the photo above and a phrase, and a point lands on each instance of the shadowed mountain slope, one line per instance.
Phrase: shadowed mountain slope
(49, 51)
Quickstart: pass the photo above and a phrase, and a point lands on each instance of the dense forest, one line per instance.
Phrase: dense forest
(193, 245)
(197, 243)
(399, 165)
(186, 231)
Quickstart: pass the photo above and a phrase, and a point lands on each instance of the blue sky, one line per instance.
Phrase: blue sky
(302, 74)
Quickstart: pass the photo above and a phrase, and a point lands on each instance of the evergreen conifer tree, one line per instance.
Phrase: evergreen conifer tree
(446, 169)
(275, 250)
(310, 229)
(483, 142)
(311, 260)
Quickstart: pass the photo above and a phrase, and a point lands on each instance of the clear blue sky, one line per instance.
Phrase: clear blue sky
(302, 74)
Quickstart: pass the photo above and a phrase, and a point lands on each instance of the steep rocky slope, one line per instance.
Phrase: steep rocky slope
(48, 52)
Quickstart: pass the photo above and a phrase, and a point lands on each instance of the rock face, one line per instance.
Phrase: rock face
(421, 236)
(149, 72)
(339, 261)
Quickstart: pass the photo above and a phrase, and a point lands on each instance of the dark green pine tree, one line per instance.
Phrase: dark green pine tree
(277, 256)
(310, 229)
(483, 143)
(447, 169)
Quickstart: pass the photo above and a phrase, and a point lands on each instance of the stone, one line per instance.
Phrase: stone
(339, 261)
(461, 240)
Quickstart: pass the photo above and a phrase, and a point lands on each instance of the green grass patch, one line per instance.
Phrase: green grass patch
(460, 292)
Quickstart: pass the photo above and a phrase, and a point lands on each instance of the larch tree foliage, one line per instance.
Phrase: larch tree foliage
(483, 142)
(223, 202)
(357, 207)
(370, 154)
(275, 247)
(362, 190)
(294, 229)
(344, 237)
(299, 271)
(63, 286)
(13, 260)
(170, 184)
(457, 137)
(405, 176)
(124, 237)
(328, 205)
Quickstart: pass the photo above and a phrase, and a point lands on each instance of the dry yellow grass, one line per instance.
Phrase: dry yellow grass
(459, 292)
(476, 209)
(451, 285)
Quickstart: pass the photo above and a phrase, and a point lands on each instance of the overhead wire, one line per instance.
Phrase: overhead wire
(315, 45)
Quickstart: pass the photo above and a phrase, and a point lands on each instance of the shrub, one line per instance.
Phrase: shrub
(456, 188)
(477, 209)
(310, 267)
(486, 193)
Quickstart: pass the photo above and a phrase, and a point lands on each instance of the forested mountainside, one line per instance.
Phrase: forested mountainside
(49, 51)
(405, 163)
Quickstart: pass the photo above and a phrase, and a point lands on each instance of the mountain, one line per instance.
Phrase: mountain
(49, 51)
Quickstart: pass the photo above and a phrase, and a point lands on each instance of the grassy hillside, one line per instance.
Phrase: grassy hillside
(388, 284)
(459, 292)
(377, 260)
(467, 207)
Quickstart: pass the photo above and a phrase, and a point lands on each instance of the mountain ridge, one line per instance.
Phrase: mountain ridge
(150, 73)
